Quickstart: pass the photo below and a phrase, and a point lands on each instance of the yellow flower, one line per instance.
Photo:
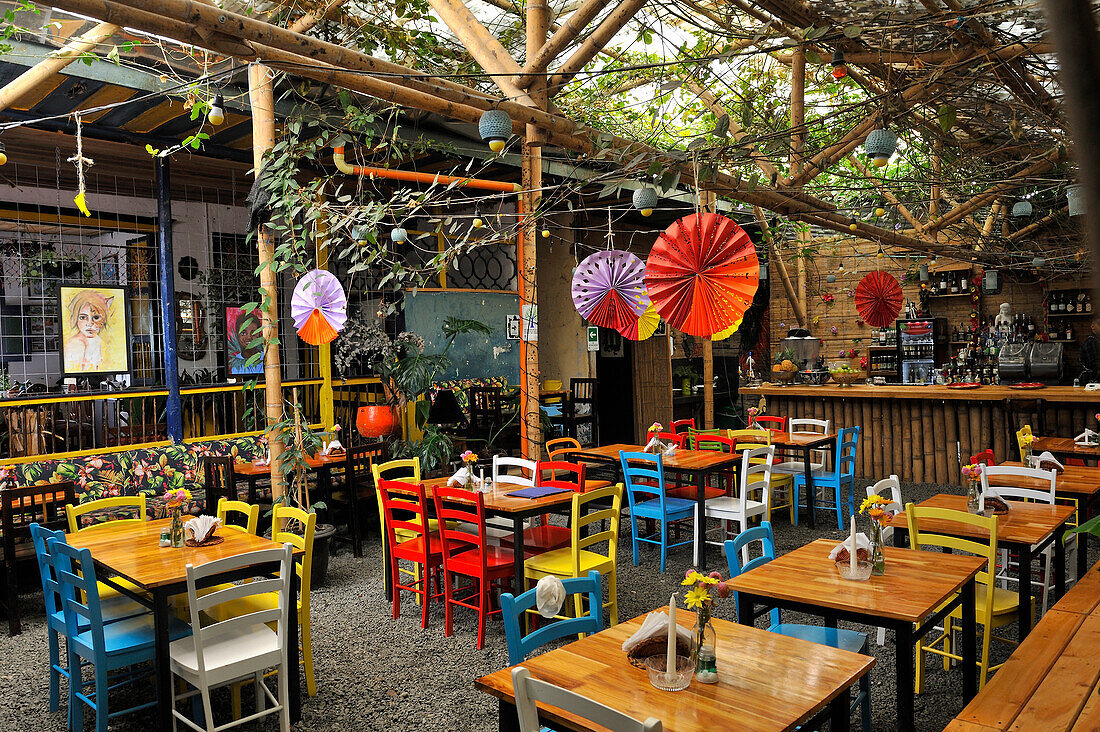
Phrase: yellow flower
(708, 580)
(697, 597)
(870, 501)
(692, 578)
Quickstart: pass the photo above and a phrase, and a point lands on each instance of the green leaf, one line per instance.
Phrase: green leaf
(946, 117)
(722, 126)
(813, 56)
(852, 31)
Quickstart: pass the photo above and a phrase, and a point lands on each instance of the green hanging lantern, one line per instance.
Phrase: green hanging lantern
(495, 127)
(880, 145)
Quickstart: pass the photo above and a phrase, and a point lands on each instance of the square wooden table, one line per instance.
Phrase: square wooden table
(698, 463)
(1027, 529)
(1064, 447)
(918, 590)
(766, 682)
(133, 551)
(804, 444)
(320, 464)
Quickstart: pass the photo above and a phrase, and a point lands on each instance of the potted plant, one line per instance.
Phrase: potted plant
(687, 376)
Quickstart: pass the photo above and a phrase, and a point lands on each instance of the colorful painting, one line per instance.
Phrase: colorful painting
(95, 337)
(242, 343)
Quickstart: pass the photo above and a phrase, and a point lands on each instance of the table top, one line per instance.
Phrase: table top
(1078, 480)
(915, 583)
(314, 462)
(685, 460)
(134, 552)
(766, 681)
(498, 500)
(1060, 394)
(1025, 523)
(1064, 446)
(786, 439)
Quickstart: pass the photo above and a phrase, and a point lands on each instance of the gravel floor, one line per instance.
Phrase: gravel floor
(376, 673)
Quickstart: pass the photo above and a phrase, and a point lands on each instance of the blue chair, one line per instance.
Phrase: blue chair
(513, 608)
(845, 640)
(108, 646)
(118, 607)
(842, 474)
(662, 509)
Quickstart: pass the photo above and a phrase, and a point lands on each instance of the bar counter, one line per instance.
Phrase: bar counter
(922, 433)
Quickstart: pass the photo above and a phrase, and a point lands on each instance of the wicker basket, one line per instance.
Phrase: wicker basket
(784, 377)
(847, 378)
(656, 646)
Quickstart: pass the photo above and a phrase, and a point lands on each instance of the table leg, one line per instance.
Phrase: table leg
(517, 553)
(1059, 563)
(161, 620)
(507, 716)
(292, 657)
(252, 489)
(903, 675)
(809, 487)
(701, 524)
(969, 639)
(840, 712)
(745, 610)
(1024, 615)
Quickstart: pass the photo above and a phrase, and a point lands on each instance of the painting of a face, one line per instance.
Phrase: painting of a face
(94, 337)
(242, 333)
(89, 321)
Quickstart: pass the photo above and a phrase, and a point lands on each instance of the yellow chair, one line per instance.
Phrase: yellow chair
(250, 511)
(578, 559)
(781, 484)
(1023, 432)
(407, 469)
(73, 513)
(994, 607)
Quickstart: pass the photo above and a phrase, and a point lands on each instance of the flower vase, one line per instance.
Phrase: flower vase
(973, 495)
(175, 528)
(1027, 456)
(706, 644)
(878, 558)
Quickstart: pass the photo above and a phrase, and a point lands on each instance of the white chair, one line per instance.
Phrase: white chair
(528, 691)
(240, 648)
(992, 480)
(755, 473)
(499, 532)
(817, 457)
(887, 488)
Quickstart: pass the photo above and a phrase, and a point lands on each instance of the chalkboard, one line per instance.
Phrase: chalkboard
(474, 356)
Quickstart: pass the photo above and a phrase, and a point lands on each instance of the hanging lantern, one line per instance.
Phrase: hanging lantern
(3, 154)
(1075, 194)
(1038, 262)
(645, 200)
(830, 278)
(495, 127)
(880, 212)
(880, 145)
(216, 115)
(1021, 209)
(840, 68)
(398, 235)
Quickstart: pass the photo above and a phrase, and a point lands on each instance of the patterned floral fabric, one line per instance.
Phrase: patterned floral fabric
(96, 476)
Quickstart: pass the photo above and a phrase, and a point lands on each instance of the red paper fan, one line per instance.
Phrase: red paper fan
(702, 274)
(878, 299)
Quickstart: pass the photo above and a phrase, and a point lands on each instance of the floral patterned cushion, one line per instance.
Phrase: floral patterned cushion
(242, 449)
(96, 476)
(156, 469)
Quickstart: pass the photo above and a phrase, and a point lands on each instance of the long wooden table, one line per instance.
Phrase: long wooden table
(1052, 681)
(918, 590)
(133, 551)
(253, 472)
(1064, 447)
(766, 682)
(698, 463)
(1027, 528)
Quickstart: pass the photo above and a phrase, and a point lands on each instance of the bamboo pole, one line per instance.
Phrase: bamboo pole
(595, 42)
(798, 108)
(781, 266)
(261, 98)
(951, 425)
(538, 62)
(928, 440)
(887, 194)
(939, 429)
(324, 351)
(54, 62)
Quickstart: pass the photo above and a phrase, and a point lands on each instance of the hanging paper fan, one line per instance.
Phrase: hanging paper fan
(724, 334)
(319, 307)
(609, 289)
(644, 326)
(702, 274)
(878, 299)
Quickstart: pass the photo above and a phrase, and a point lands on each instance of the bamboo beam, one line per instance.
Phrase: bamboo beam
(781, 267)
(54, 62)
(991, 219)
(937, 169)
(887, 194)
(798, 109)
(592, 45)
(538, 62)
(1031, 228)
(931, 58)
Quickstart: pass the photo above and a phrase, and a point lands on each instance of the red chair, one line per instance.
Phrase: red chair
(677, 438)
(547, 537)
(985, 456)
(716, 443)
(466, 554)
(682, 425)
(399, 499)
(775, 424)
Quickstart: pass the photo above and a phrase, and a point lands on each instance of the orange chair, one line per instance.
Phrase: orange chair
(424, 549)
(561, 448)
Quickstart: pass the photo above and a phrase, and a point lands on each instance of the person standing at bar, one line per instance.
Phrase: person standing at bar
(1090, 355)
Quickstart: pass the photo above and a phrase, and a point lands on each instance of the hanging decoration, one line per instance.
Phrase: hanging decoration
(645, 200)
(878, 299)
(319, 307)
(840, 68)
(609, 289)
(216, 114)
(80, 161)
(643, 327)
(702, 273)
(880, 145)
(1075, 195)
(1021, 209)
(398, 235)
(495, 127)
(724, 334)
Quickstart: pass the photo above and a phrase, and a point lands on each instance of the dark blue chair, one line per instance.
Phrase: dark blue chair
(513, 609)
(660, 507)
(845, 640)
(842, 474)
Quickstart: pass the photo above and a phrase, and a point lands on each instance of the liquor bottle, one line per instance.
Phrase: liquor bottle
(1080, 302)
(954, 285)
(1069, 331)
(1030, 327)
(1088, 302)
(1052, 306)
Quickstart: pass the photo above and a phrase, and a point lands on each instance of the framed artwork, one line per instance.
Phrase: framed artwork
(242, 330)
(95, 330)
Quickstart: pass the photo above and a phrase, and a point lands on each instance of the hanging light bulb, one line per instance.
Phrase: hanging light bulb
(853, 225)
(478, 223)
(495, 127)
(3, 154)
(880, 212)
(398, 235)
(216, 114)
(840, 68)
(645, 200)
(546, 233)
(840, 268)
(881, 254)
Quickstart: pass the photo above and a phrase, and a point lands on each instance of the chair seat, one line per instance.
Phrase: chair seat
(688, 492)
(730, 506)
(541, 538)
(133, 634)
(1004, 602)
(675, 508)
(845, 640)
(224, 652)
(560, 563)
(413, 549)
(469, 563)
(797, 467)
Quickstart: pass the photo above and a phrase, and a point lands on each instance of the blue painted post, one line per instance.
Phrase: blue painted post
(168, 299)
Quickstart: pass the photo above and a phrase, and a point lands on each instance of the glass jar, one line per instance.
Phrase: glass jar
(705, 651)
(973, 495)
(175, 528)
(1027, 456)
(878, 557)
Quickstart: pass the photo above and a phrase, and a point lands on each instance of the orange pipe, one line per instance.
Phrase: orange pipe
(414, 177)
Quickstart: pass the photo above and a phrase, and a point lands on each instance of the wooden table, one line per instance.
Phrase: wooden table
(766, 681)
(1064, 447)
(133, 551)
(699, 463)
(907, 599)
(321, 464)
(1078, 482)
(1027, 528)
(786, 443)
(1050, 682)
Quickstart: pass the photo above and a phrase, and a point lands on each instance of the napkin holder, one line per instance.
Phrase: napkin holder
(652, 640)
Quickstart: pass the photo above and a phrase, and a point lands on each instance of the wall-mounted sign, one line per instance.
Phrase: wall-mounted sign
(593, 338)
(513, 328)
(530, 313)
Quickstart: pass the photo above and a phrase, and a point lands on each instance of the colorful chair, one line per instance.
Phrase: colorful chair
(407, 469)
(756, 468)
(113, 504)
(561, 449)
(817, 457)
(646, 477)
(780, 495)
(513, 608)
(251, 513)
(772, 424)
(579, 558)
(422, 549)
(843, 474)
(467, 554)
(1023, 432)
(681, 425)
(846, 640)
(985, 456)
(887, 488)
(994, 607)
(690, 441)
(529, 691)
(716, 442)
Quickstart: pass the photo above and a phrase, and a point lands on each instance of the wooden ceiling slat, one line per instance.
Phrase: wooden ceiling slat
(40, 92)
(109, 94)
(150, 119)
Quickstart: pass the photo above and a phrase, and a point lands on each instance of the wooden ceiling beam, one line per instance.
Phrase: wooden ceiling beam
(595, 42)
(558, 42)
(931, 58)
(887, 194)
(1031, 228)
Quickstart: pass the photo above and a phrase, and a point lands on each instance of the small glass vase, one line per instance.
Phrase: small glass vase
(1027, 456)
(878, 557)
(705, 651)
(973, 496)
(175, 528)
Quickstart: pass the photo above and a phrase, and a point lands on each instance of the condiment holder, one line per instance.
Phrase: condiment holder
(861, 572)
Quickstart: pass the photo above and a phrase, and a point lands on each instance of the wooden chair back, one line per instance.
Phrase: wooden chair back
(561, 475)
(756, 472)
(359, 464)
(513, 608)
(298, 529)
(74, 512)
(740, 546)
(405, 509)
(890, 488)
(20, 508)
(714, 443)
(676, 438)
(920, 538)
(526, 477)
(643, 473)
(682, 425)
(219, 479)
(250, 511)
(748, 439)
(594, 507)
(768, 422)
(486, 411)
(809, 426)
(985, 456)
(1022, 433)
(456, 517)
(560, 447)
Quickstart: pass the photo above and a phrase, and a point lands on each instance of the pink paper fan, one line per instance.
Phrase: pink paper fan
(319, 307)
(609, 289)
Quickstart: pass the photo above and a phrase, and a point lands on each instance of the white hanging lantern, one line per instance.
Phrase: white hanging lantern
(1075, 195)
(1022, 209)
(398, 235)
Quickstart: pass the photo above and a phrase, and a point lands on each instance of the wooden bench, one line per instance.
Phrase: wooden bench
(1050, 682)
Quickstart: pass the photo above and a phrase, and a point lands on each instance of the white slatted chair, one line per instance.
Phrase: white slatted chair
(817, 457)
(992, 480)
(501, 531)
(887, 488)
(755, 474)
(240, 648)
(529, 690)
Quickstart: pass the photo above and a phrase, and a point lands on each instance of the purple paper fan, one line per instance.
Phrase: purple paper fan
(609, 288)
(319, 290)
